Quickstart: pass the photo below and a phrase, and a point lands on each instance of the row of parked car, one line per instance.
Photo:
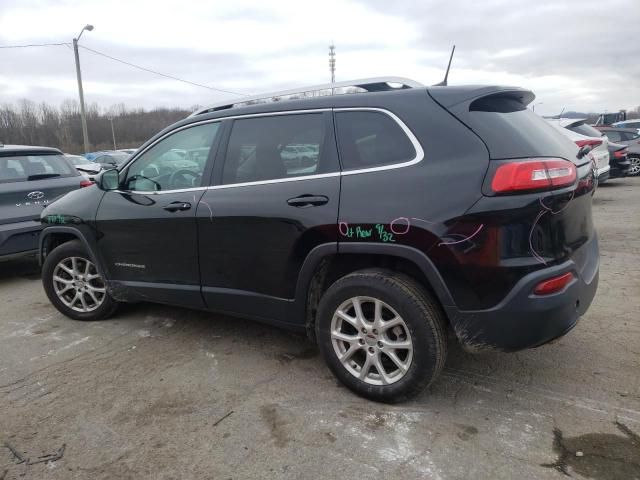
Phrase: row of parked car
(615, 149)
(93, 163)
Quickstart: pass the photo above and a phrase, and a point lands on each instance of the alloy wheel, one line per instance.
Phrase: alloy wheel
(634, 169)
(371, 340)
(78, 284)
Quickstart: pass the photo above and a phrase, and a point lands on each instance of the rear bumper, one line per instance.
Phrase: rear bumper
(603, 174)
(19, 238)
(525, 320)
(620, 169)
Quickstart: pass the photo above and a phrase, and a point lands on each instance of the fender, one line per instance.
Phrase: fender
(76, 233)
(402, 251)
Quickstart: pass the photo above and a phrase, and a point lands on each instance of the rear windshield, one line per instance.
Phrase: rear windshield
(22, 168)
(587, 130)
(519, 133)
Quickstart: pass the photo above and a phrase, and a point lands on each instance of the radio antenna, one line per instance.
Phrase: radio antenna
(443, 83)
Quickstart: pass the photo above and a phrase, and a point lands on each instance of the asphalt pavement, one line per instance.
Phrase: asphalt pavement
(167, 393)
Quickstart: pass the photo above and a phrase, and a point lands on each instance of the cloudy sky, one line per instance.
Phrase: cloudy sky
(574, 54)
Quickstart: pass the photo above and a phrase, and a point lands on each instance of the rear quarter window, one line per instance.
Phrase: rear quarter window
(370, 139)
(22, 168)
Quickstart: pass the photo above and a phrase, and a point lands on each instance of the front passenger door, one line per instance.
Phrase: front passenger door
(147, 229)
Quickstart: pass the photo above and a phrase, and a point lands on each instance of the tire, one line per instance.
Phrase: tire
(634, 170)
(71, 292)
(421, 326)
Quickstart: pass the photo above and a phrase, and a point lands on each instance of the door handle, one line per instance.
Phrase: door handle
(177, 206)
(304, 201)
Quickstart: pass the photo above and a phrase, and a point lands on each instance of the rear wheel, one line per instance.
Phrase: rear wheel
(74, 285)
(634, 169)
(381, 334)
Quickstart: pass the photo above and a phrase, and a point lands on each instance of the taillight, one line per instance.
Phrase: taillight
(591, 143)
(85, 183)
(621, 153)
(538, 174)
(553, 285)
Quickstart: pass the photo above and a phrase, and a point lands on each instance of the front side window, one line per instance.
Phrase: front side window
(370, 139)
(22, 168)
(176, 162)
(274, 147)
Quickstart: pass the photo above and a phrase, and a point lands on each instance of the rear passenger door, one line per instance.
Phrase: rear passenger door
(275, 197)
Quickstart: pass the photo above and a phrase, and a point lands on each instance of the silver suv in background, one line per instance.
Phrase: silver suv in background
(585, 135)
(30, 179)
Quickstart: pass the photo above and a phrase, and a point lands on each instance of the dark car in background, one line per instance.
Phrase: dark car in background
(111, 159)
(30, 179)
(619, 160)
(629, 137)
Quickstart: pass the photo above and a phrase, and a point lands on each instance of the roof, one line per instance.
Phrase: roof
(624, 122)
(617, 129)
(27, 148)
(376, 84)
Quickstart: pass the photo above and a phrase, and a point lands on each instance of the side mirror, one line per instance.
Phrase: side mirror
(109, 180)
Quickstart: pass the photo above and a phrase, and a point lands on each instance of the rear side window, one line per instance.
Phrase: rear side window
(371, 139)
(584, 129)
(275, 147)
(22, 168)
(631, 136)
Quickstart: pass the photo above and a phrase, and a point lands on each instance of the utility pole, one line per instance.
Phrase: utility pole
(85, 134)
(113, 134)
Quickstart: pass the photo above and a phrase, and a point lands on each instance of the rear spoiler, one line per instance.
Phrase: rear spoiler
(453, 98)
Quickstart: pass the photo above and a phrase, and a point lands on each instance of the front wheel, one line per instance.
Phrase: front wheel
(74, 285)
(381, 334)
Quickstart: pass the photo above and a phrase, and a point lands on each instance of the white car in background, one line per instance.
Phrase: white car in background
(582, 134)
(83, 165)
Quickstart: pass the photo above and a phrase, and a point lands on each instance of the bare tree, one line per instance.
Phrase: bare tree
(29, 124)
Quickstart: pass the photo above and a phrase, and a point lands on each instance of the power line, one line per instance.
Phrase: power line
(35, 45)
(159, 73)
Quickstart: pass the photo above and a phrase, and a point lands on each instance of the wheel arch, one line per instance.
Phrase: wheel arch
(51, 237)
(325, 264)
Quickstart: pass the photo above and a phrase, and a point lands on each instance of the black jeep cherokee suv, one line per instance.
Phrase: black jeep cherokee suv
(373, 220)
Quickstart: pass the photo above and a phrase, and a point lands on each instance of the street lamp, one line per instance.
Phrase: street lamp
(83, 114)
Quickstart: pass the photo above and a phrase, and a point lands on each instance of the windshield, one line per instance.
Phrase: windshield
(22, 168)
